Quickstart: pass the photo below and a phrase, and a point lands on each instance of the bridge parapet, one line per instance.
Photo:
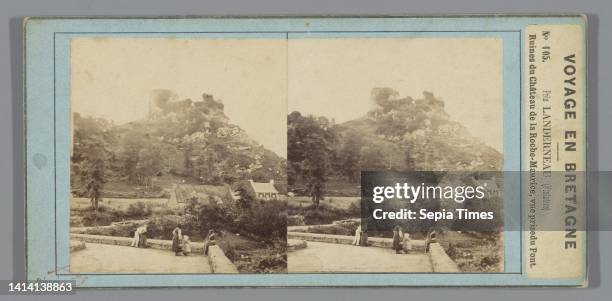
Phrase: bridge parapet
(417, 245)
(440, 261)
(76, 245)
(296, 244)
(196, 247)
(219, 263)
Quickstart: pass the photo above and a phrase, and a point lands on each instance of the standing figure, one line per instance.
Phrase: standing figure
(186, 245)
(397, 245)
(364, 238)
(431, 238)
(177, 237)
(407, 244)
(210, 241)
(140, 238)
(357, 239)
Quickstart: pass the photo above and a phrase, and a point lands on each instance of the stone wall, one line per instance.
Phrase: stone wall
(100, 239)
(440, 261)
(196, 247)
(296, 244)
(417, 245)
(219, 263)
(76, 245)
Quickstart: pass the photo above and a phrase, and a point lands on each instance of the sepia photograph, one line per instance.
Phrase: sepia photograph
(392, 104)
(246, 155)
(178, 159)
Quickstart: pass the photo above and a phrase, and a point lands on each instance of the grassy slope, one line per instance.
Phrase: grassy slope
(332, 201)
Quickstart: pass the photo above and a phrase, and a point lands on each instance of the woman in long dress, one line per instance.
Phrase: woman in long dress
(186, 245)
(177, 237)
(431, 238)
(407, 243)
(210, 241)
(397, 245)
(357, 238)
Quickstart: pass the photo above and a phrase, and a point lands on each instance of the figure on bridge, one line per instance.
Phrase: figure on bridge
(357, 239)
(186, 245)
(406, 243)
(431, 238)
(210, 241)
(140, 237)
(397, 236)
(177, 237)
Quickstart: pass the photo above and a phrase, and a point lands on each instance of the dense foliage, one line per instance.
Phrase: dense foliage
(310, 152)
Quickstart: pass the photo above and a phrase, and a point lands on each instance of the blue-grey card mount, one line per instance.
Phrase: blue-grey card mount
(306, 151)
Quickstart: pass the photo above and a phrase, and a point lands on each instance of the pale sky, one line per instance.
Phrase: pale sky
(334, 77)
(113, 78)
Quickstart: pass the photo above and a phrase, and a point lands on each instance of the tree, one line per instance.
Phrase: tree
(310, 141)
(245, 200)
(350, 157)
(409, 161)
(316, 167)
(295, 151)
(372, 158)
(131, 144)
(149, 163)
(141, 156)
(91, 156)
(93, 175)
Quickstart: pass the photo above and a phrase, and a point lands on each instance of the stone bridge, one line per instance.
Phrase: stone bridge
(334, 253)
(114, 255)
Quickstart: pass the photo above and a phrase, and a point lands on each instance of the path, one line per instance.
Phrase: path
(328, 257)
(97, 258)
(173, 200)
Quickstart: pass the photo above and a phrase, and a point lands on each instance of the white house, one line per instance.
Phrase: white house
(264, 191)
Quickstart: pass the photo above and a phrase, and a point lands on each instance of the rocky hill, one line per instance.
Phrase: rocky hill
(417, 134)
(192, 140)
(206, 144)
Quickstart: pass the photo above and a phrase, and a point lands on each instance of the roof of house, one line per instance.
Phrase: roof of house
(267, 187)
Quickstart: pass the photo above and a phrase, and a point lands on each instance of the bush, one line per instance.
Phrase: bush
(213, 216)
(229, 252)
(338, 229)
(118, 230)
(295, 220)
(161, 227)
(452, 251)
(324, 214)
(355, 208)
(138, 210)
(272, 263)
(265, 221)
(262, 260)
(161, 210)
(489, 261)
(92, 218)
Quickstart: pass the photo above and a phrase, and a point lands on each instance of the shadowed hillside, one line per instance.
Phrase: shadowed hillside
(417, 134)
(191, 141)
(400, 134)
